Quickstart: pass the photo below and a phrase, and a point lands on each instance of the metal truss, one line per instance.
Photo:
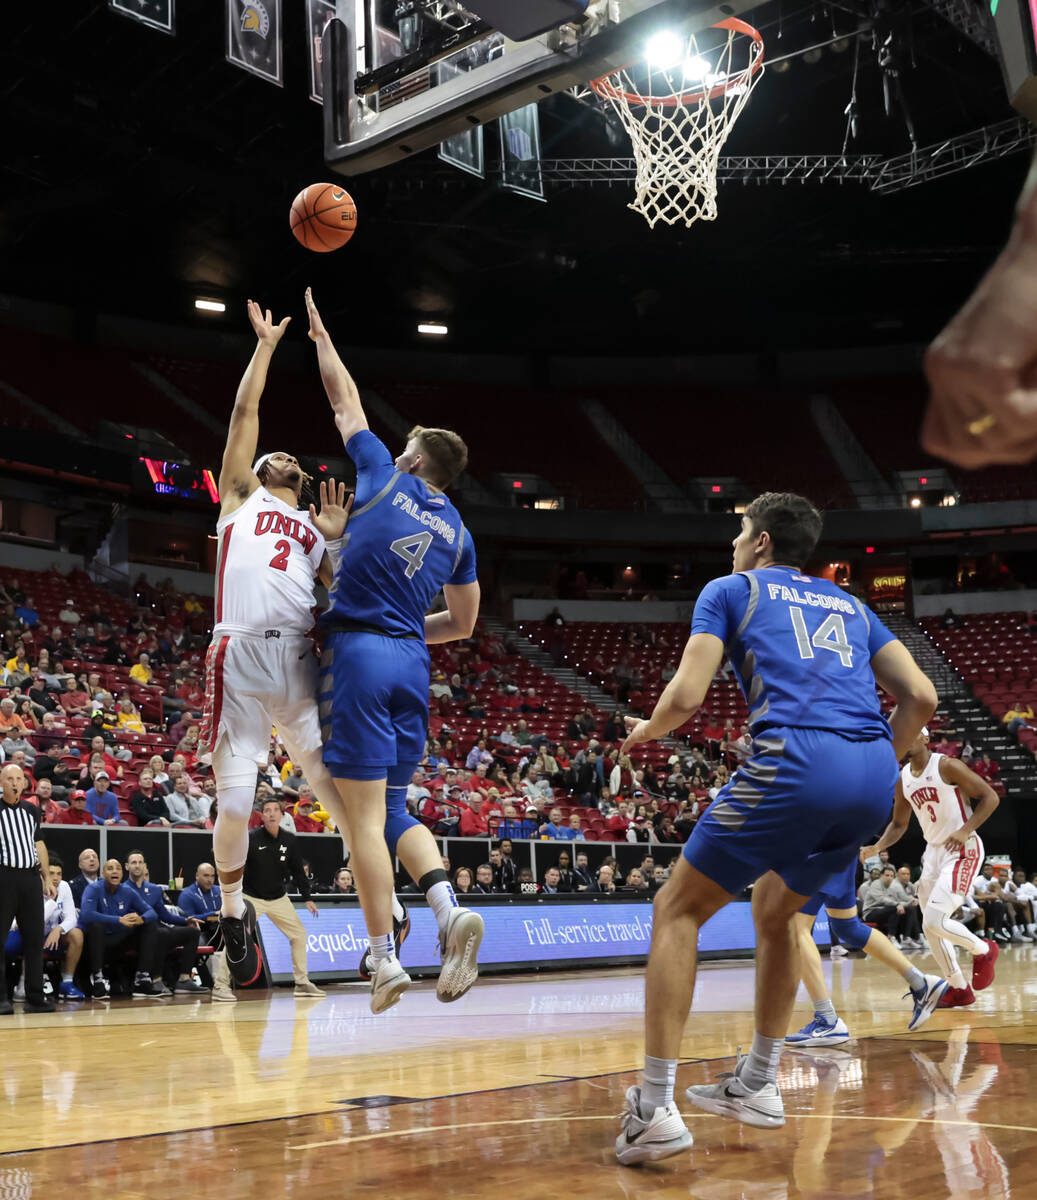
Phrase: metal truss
(969, 18)
(884, 175)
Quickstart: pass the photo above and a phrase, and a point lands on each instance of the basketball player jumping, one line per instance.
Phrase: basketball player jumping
(261, 669)
(822, 768)
(406, 543)
(936, 787)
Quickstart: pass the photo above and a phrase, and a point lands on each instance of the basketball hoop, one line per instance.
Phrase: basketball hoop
(679, 118)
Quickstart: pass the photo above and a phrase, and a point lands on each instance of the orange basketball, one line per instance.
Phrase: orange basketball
(323, 217)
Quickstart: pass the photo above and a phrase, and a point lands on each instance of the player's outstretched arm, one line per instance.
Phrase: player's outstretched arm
(985, 799)
(683, 695)
(458, 622)
(237, 481)
(338, 383)
(896, 828)
(898, 673)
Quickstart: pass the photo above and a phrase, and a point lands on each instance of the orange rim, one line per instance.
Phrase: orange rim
(605, 88)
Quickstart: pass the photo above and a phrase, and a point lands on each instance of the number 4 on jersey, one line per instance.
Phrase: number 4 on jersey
(830, 635)
(412, 549)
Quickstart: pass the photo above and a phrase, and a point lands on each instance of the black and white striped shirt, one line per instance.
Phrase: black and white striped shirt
(19, 832)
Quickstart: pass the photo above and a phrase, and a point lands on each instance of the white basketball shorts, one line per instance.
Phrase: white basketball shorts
(253, 682)
(947, 875)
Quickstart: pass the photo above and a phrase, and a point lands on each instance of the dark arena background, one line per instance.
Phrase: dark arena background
(624, 392)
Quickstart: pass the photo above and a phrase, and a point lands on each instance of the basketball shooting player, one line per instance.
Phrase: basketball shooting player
(406, 543)
(937, 789)
(260, 669)
(819, 777)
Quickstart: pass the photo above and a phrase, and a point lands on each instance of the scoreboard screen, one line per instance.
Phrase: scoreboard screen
(176, 480)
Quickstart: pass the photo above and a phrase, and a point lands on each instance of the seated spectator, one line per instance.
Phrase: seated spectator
(522, 734)
(10, 722)
(202, 899)
(556, 830)
(27, 614)
(535, 787)
(129, 718)
(342, 883)
(667, 833)
(1018, 717)
(635, 881)
(478, 782)
(884, 905)
(51, 731)
(114, 918)
(147, 803)
(418, 791)
(531, 702)
(174, 931)
(89, 871)
(141, 672)
(304, 819)
(99, 748)
(479, 755)
(62, 934)
(43, 797)
(551, 881)
(621, 820)
(463, 882)
(603, 882)
(985, 767)
(473, 823)
(162, 778)
(515, 827)
(18, 670)
(950, 621)
(17, 743)
(184, 809)
(484, 880)
(102, 803)
(74, 700)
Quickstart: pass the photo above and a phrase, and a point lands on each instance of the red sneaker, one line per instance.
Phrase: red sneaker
(983, 966)
(957, 998)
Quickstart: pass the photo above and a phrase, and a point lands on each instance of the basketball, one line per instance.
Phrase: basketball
(323, 217)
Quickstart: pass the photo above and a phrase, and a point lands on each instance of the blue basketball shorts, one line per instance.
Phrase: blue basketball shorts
(801, 805)
(837, 892)
(373, 703)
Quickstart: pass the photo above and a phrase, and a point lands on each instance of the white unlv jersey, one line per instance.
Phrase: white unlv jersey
(267, 560)
(940, 807)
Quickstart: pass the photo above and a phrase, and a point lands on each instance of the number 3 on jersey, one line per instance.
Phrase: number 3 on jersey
(830, 635)
(412, 549)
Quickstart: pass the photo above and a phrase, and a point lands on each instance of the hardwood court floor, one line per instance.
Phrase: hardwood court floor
(512, 1092)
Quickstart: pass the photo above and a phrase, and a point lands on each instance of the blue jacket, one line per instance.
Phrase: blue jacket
(153, 894)
(561, 833)
(197, 903)
(517, 829)
(102, 808)
(101, 905)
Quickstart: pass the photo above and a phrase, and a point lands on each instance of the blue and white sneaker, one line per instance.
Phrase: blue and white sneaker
(820, 1032)
(69, 991)
(927, 1001)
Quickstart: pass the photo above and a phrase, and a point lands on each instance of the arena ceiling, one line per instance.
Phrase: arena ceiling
(140, 170)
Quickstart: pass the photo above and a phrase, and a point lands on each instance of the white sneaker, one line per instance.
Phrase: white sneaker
(838, 952)
(19, 990)
(388, 983)
(459, 948)
(927, 1002)
(647, 1141)
(308, 988)
(222, 992)
(729, 1097)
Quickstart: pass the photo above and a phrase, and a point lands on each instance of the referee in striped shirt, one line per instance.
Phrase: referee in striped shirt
(24, 882)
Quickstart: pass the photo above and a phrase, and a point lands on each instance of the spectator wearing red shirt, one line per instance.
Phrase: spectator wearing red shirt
(531, 702)
(986, 768)
(473, 823)
(620, 821)
(98, 746)
(304, 821)
(76, 813)
(500, 701)
(74, 700)
(478, 782)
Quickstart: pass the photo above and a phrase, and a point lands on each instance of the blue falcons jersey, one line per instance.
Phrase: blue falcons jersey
(404, 541)
(802, 648)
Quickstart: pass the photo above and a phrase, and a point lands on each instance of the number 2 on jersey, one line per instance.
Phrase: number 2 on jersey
(412, 549)
(830, 635)
(280, 560)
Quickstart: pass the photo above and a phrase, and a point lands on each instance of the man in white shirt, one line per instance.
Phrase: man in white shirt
(417, 792)
(1025, 891)
(1020, 909)
(990, 897)
(61, 931)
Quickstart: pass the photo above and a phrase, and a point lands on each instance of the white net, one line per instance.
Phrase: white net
(679, 114)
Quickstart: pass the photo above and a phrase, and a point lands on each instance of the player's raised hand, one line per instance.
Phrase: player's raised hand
(637, 732)
(263, 323)
(317, 329)
(334, 510)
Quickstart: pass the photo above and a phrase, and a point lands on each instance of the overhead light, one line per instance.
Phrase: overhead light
(214, 306)
(434, 328)
(664, 50)
(916, 502)
(696, 68)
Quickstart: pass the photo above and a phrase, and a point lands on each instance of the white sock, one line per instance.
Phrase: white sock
(660, 1078)
(397, 909)
(66, 976)
(382, 947)
(760, 1065)
(233, 900)
(442, 900)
